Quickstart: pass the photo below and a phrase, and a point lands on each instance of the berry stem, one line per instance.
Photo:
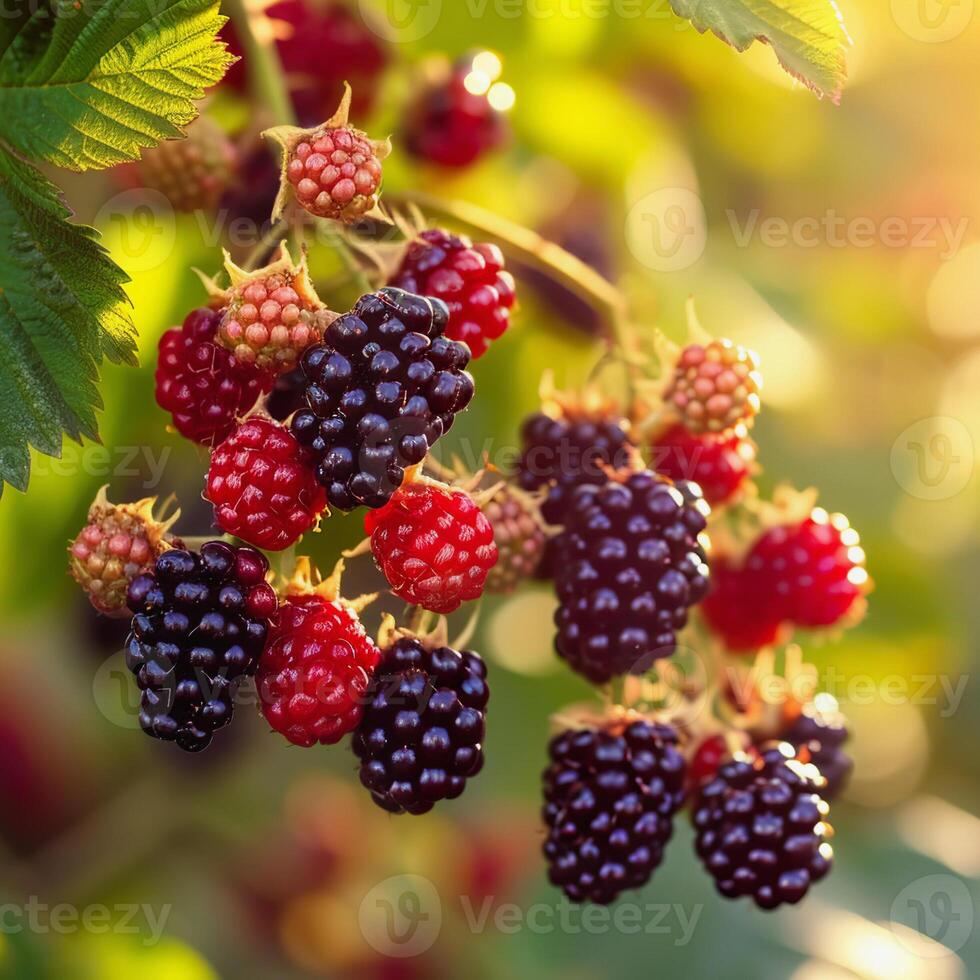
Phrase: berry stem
(353, 266)
(265, 245)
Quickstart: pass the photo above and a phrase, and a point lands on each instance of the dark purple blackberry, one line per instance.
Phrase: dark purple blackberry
(760, 828)
(288, 395)
(629, 567)
(199, 626)
(420, 737)
(381, 389)
(610, 798)
(821, 730)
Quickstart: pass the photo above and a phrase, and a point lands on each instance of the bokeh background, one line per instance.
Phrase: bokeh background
(677, 167)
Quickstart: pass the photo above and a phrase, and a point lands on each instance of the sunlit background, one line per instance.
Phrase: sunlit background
(843, 244)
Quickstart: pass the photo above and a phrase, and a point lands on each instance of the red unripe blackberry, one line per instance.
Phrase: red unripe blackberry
(200, 623)
(314, 674)
(470, 279)
(719, 464)
(433, 545)
(741, 608)
(707, 757)
(382, 388)
(610, 796)
(714, 387)
(421, 734)
(630, 564)
(818, 733)
(202, 385)
(520, 537)
(760, 828)
(261, 489)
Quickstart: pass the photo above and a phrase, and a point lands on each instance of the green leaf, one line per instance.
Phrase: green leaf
(808, 36)
(62, 310)
(86, 85)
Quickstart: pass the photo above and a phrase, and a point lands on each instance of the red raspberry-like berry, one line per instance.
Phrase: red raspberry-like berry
(336, 173)
(719, 464)
(314, 674)
(741, 609)
(714, 387)
(434, 546)
(203, 387)
(261, 490)
(520, 536)
(469, 278)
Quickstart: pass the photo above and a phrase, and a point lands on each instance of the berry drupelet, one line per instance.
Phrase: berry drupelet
(520, 537)
(200, 383)
(630, 565)
(818, 733)
(381, 390)
(470, 279)
(760, 828)
(200, 624)
(610, 797)
(421, 735)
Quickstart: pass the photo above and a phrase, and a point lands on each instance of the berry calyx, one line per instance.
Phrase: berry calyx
(381, 390)
(270, 316)
(433, 544)
(118, 542)
(313, 677)
(261, 489)
(470, 279)
(200, 623)
(719, 464)
(630, 564)
(520, 535)
(333, 169)
(610, 795)
(421, 734)
(200, 383)
(760, 828)
(715, 386)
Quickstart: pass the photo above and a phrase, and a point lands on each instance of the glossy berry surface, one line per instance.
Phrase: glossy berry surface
(818, 733)
(335, 173)
(261, 489)
(434, 546)
(470, 279)
(520, 539)
(200, 623)
(422, 731)
(714, 387)
(741, 609)
(381, 390)
(313, 677)
(200, 383)
(609, 803)
(760, 828)
(630, 565)
(719, 464)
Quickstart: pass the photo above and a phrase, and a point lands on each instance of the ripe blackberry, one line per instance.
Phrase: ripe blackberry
(714, 387)
(433, 545)
(760, 828)
(203, 387)
(421, 735)
(741, 608)
(630, 565)
(262, 491)
(381, 389)
(818, 734)
(199, 626)
(118, 542)
(470, 279)
(610, 797)
(564, 452)
(520, 537)
(313, 676)
(719, 464)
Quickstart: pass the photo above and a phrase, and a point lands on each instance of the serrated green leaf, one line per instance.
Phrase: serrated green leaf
(62, 310)
(87, 86)
(808, 36)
